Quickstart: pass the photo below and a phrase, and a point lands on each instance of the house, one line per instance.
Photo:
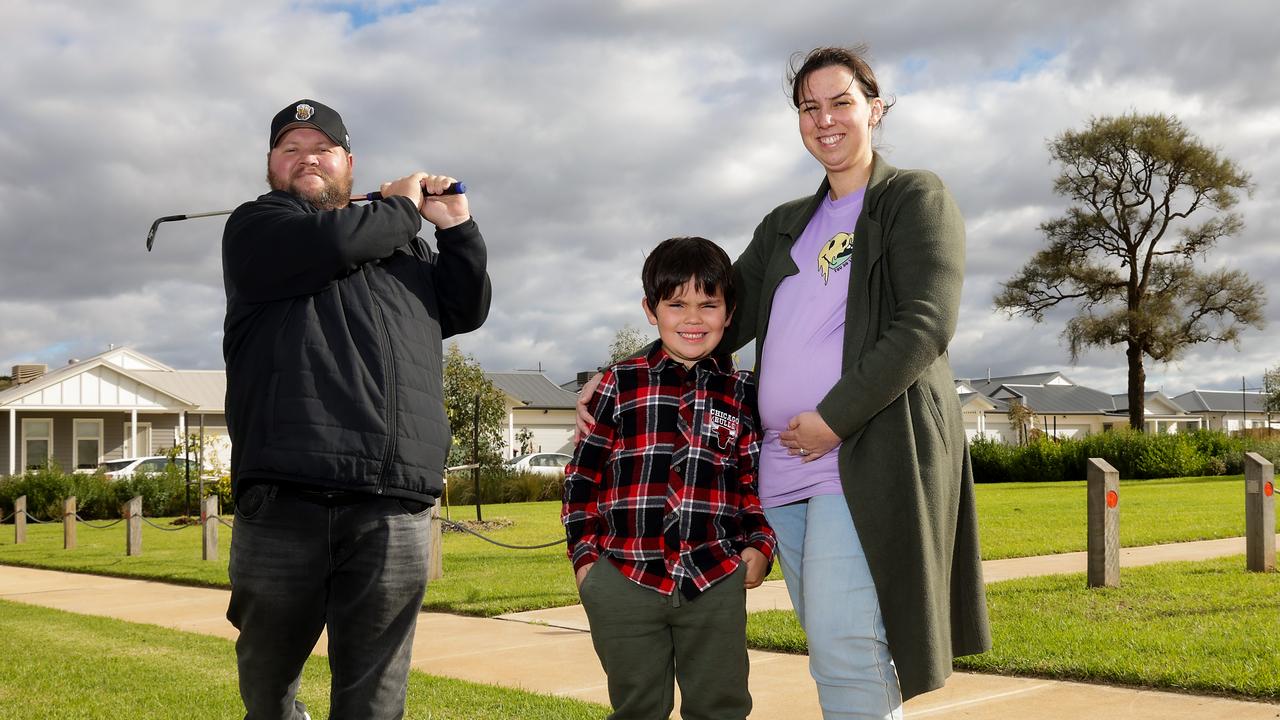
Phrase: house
(540, 414)
(1062, 407)
(1228, 410)
(116, 405)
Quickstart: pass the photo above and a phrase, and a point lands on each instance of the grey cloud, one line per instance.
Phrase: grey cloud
(588, 132)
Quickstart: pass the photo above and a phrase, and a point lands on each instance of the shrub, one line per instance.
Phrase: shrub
(1134, 455)
(992, 460)
(500, 485)
(97, 498)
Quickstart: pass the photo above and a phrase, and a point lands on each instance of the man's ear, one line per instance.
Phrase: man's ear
(648, 312)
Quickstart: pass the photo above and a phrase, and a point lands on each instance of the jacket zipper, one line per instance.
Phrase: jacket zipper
(388, 369)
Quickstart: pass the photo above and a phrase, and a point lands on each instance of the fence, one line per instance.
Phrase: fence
(209, 521)
(131, 516)
(1104, 519)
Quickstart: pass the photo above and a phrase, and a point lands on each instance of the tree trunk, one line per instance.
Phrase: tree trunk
(1137, 388)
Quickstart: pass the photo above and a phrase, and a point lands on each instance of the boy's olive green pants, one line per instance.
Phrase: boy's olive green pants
(646, 640)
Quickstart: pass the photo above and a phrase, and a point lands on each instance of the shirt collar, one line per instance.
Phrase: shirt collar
(660, 360)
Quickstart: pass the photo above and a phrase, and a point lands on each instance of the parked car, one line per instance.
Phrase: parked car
(120, 469)
(544, 463)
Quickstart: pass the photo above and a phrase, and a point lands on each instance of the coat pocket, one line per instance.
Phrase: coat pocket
(928, 399)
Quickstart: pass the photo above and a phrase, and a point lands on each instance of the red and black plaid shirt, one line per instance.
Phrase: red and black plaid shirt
(665, 484)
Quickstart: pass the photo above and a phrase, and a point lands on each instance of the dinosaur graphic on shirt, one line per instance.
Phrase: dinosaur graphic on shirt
(835, 254)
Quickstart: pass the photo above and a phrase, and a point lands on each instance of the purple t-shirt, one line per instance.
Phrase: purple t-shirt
(803, 350)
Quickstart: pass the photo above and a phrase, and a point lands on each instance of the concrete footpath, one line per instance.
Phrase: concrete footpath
(549, 651)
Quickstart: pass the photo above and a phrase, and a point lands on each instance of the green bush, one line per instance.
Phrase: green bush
(992, 460)
(500, 485)
(1133, 454)
(97, 498)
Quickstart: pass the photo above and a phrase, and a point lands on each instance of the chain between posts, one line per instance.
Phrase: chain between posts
(86, 523)
(218, 518)
(146, 520)
(38, 521)
(464, 528)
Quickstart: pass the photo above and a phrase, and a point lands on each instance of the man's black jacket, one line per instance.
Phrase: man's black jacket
(332, 342)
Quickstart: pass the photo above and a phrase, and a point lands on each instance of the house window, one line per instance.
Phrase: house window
(87, 450)
(37, 443)
(137, 444)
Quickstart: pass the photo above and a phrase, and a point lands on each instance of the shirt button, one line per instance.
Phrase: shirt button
(677, 469)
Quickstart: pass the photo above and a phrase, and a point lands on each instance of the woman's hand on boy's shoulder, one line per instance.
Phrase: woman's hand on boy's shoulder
(757, 566)
(586, 421)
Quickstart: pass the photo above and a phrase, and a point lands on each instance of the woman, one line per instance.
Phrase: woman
(852, 295)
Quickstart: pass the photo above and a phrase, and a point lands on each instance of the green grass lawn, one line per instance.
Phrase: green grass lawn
(1205, 627)
(62, 666)
(1189, 626)
(1023, 519)
(482, 579)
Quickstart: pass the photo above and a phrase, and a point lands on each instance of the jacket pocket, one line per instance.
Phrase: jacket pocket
(929, 401)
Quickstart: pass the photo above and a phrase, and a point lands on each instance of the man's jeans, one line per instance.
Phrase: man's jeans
(301, 562)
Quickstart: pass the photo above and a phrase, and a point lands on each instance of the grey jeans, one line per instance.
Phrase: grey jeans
(301, 563)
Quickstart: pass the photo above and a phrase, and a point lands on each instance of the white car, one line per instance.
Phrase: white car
(544, 463)
(120, 469)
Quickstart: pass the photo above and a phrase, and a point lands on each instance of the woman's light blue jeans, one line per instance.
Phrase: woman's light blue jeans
(834, 597)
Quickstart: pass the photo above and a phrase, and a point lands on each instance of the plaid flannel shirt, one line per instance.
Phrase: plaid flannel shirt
(664, 486)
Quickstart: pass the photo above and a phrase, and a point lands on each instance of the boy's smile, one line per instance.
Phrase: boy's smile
(690, 322)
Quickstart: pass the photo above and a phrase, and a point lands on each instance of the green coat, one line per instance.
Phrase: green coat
(904, 461)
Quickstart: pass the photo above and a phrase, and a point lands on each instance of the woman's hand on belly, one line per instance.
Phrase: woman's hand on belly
(808, 436)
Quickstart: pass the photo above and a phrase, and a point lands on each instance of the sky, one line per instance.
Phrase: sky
(587, 131)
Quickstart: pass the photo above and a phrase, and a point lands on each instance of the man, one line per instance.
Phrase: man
(332, 340)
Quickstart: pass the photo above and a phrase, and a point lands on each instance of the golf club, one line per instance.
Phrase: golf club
(456, 188)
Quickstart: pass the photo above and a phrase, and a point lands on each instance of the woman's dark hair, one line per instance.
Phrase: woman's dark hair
(674, 262)
(805, 64)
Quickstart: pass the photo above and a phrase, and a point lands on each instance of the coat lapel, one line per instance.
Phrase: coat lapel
(864, 282)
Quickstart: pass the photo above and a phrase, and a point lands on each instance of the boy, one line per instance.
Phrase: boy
(661, 511)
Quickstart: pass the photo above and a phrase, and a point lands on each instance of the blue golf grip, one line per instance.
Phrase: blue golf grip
(457, 188)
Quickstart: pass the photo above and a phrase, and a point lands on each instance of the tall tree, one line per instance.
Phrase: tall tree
(463, 381)
(1271, 392)
(1125, 252)
(1022, 418)
(627, 342)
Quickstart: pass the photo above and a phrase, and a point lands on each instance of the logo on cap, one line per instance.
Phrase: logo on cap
(304, 112)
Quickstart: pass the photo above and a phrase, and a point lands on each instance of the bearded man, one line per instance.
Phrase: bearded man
(333, 344)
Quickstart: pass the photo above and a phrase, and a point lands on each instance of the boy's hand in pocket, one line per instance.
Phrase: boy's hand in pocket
(581, 574)
(756, 567)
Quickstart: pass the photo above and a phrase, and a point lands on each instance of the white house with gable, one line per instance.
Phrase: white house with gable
(1062, 407)
(116, 405)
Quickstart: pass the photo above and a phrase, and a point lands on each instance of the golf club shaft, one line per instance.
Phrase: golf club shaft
(457, 188)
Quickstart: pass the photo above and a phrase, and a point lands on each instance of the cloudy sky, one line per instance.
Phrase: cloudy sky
(587, 130)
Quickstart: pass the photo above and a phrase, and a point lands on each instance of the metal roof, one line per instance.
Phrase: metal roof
(206, 389)
(534, 389)
(1227, 401)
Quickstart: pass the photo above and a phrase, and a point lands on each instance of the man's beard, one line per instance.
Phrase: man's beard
(333, 195)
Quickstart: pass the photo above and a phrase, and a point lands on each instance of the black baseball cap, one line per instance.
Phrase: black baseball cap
(309, 113)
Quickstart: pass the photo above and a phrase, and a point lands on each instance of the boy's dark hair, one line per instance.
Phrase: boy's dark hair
(674, 262)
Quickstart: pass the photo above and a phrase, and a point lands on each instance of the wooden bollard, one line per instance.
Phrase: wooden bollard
(1104, 524)
(69, 523)
(209, 525)
(435, 558)
(1259, 513)
(133, 526)
(20, 520)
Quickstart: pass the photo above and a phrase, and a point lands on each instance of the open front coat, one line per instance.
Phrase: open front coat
(904, 463)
